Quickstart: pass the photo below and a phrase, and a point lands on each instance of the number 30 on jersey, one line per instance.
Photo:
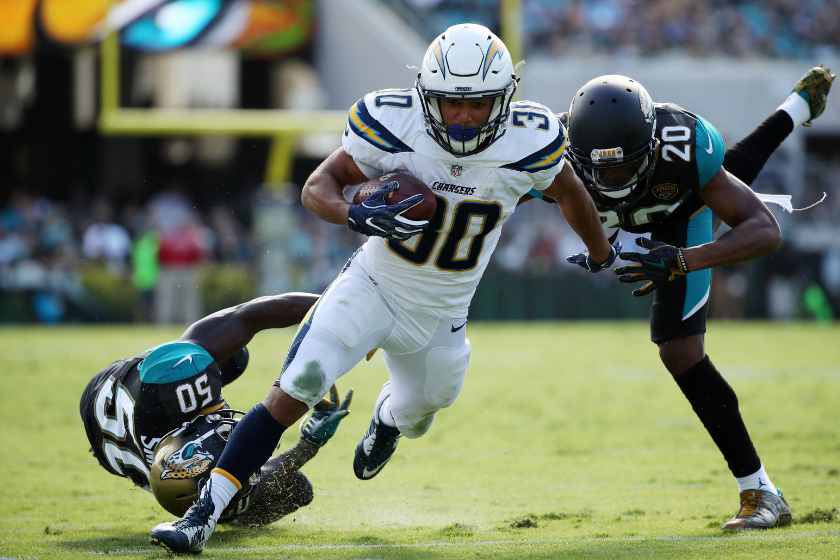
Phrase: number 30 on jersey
(471, 222)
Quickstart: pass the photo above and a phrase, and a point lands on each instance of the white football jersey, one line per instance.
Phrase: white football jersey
(475, 194)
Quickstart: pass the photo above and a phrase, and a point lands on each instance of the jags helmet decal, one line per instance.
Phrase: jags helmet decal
(189, 461)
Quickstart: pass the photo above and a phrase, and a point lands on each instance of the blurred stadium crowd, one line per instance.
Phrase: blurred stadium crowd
(70, 260)
(166, 230)
(747, 28)
(170, 261)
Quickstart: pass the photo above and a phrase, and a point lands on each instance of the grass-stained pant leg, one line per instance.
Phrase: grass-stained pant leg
(679, 309)
(349, 320)
(277, 497)
(430, 379)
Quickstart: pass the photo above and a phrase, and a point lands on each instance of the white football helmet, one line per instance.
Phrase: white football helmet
(466, 62)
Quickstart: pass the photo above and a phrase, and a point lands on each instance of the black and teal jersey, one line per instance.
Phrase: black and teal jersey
(690, 153)
(131, 404)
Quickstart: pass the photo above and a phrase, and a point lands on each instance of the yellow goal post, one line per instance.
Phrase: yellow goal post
(281, 125)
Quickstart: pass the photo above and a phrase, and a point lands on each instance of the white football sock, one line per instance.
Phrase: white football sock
(222, 491)
(756, 481)
(385, 413)
(798, 109)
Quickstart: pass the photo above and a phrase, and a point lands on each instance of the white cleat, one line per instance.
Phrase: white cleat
(191, 532)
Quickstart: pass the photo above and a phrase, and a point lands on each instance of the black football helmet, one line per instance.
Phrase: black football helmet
(612, 139)
(186, 455)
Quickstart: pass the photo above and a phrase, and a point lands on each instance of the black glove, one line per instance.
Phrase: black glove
(664, 263)
(375, 217)
(583, 259)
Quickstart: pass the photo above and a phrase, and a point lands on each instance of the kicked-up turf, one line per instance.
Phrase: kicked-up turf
(569, 440)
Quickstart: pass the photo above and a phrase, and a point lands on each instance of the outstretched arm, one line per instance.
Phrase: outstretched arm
(754, 232)
(579, 210)
(226, 331)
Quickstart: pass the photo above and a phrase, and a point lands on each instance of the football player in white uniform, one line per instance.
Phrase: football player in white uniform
(407, 290)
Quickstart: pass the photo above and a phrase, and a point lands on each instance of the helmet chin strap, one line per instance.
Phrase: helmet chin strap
(486, 133)
(481, 136)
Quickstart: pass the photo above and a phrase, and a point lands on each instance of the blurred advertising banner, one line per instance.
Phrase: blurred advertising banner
(259, 28)
(17, 31)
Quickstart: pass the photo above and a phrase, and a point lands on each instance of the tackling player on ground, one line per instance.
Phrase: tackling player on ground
(658, 168)
(408, 289)
(141, 413)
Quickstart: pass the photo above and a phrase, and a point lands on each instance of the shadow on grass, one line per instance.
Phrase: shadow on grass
(256, 543)
(105, 545)
(227, 537)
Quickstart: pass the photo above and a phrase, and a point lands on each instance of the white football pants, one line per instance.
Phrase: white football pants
(425, 349)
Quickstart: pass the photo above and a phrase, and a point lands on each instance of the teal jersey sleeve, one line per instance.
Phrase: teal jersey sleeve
(174, 361)
(709, 150)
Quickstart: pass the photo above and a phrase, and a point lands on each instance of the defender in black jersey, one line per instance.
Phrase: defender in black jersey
(659, 169)
(128, 407)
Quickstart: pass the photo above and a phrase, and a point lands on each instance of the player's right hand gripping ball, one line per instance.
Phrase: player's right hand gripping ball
(413, 205)
(662, 264)
(326, 416)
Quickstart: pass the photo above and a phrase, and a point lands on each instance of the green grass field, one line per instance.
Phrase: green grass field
(569, 440)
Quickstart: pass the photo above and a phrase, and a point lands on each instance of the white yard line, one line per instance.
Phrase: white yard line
(485, 543)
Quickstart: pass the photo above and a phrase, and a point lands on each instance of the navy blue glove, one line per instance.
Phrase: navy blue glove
(583, 259)
(374, 217)
(326, 415)
(664, 263)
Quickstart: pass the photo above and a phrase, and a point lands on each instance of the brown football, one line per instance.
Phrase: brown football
(408, 187)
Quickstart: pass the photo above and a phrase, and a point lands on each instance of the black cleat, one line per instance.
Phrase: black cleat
(378, 444)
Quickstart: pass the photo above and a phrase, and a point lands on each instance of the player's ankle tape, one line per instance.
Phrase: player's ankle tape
(251, 444)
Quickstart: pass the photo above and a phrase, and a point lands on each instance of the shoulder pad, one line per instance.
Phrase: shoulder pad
(668, 108)
(674, 111)
(544, 156)
(381, 117)
(709, 149)
(525, 105)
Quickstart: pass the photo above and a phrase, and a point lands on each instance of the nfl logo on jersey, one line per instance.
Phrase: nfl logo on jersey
(456, 170)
